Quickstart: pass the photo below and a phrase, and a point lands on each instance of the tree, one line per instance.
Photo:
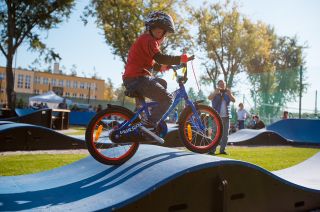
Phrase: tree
(122, 99)
(73, 70)
(278, 80)
(228, 40)
(109, 90)
(192, 94)
(22, 21)
(201, 96)
(122, 21)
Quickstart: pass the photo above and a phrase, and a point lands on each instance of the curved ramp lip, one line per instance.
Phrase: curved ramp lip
(136, 168)
(306, 173)
(12, 126)
(250, 135)
(294, 131)
(244, 134)
(6, 122)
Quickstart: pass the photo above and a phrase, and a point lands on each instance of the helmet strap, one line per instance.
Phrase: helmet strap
(164, 33)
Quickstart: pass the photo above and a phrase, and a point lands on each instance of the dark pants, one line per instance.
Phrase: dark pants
(241, 124)
(224, 139)
(154, 89)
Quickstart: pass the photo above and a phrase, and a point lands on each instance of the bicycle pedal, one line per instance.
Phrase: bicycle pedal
(152, 134)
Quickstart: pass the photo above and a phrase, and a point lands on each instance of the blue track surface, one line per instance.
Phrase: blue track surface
(298, 130)
(283, 132)
(88, 185)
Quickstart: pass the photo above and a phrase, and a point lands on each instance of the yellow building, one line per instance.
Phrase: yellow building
(37, 82)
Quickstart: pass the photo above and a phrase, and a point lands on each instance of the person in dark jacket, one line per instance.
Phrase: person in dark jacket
(259, 124)
(221, 99)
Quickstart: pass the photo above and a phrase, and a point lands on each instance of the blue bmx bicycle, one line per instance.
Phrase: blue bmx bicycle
(114, 134)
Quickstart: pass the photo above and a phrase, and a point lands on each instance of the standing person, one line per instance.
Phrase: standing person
(144, 55)
(99, 108)
(63, 104)
(242, 115)
(221, 99)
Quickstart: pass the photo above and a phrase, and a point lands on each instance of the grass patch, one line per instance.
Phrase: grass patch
(32, 163)
(78, 130)
(271, 158)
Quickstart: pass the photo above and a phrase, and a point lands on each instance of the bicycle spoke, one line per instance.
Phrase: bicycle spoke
(101, 135)
(204, 137)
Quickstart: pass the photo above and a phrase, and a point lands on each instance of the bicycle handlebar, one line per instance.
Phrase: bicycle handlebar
(177, 67)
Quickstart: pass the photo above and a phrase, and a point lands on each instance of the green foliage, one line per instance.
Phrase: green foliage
(124, 101)
(27, 19)
(202, 96)
(232, 43)
(227, 38)
(279, 79)
(22, 22)
(109, 90)
(192, 94)
(122, 21)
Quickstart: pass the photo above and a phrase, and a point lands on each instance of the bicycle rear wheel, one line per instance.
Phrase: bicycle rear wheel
(195, 139)
(98, 139)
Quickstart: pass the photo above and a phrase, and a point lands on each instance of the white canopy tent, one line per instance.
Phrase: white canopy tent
(50, 98)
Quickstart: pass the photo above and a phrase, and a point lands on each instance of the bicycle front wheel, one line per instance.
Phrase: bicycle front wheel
(98, 139)
(197, 138)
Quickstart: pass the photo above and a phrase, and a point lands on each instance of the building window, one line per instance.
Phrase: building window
(75, 84)
(45, 81)
(20, 81)
(82, 85)
(53, 82)
(61, 83)
(67, 94)
(36, 91)
(2, 76)
(74, 95)
(81, 96)
(27, 84)
(68, 84)
(37, 80)
(88, 85)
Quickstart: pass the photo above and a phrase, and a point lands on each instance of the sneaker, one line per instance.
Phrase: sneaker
(223, 153)
(211, 152)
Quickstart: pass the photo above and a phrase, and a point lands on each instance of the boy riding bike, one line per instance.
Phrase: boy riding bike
(114, 134)
(144, 55)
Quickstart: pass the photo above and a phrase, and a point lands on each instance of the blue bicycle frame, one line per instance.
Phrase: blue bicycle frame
(179, 95)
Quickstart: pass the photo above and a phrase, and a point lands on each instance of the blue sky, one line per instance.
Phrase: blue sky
(85, 47)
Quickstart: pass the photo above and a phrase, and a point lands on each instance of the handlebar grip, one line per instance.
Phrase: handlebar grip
(191, 58)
